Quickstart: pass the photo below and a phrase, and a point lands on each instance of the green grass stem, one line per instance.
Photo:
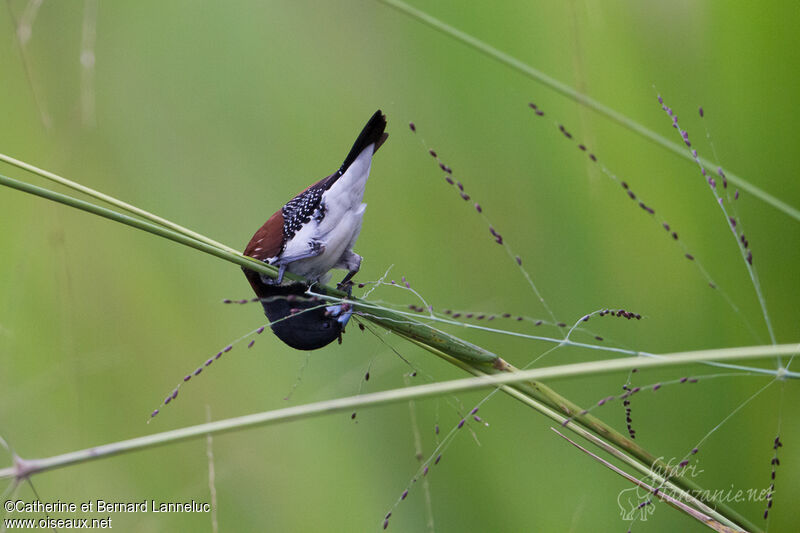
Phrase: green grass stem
(584, 100)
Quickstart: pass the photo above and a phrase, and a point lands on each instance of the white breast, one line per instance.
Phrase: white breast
(341, 224)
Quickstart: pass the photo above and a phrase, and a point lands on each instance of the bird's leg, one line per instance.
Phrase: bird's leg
(346, 284)
(281, 272)
(352, 262)
(315, 248)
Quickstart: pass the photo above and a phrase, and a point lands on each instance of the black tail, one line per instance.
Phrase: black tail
(373, 132)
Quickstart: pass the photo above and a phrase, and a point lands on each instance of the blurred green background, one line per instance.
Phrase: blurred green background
(215, 114)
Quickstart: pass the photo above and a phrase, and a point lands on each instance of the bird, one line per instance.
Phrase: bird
(310, 235)
(315, 231)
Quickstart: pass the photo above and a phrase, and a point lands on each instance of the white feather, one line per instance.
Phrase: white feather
(339, 228)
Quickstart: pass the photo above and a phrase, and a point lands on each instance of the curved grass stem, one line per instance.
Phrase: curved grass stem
(523, 385)
(386, 318)
(506, 380)
(551, 404)
(115, 202)
(582, 99)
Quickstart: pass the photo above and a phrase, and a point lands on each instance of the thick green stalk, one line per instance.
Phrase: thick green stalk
(114, 201)
(644, 461)
(466, 354)
(656, 491)
(30, 467)
(725, 516)
(386, 318)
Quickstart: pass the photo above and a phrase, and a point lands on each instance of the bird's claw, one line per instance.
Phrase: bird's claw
(346, 286)
(342, 312)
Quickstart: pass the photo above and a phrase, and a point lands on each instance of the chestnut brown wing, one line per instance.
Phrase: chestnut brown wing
(268, 241)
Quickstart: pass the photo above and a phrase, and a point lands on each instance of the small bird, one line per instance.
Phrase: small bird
(316, 230)
(313, 233)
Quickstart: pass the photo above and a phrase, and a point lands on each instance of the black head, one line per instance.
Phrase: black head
(306, 324)
(300, 321)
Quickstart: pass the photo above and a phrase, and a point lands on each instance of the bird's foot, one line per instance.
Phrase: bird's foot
(346, 286)
(279, 279)
(342, 312)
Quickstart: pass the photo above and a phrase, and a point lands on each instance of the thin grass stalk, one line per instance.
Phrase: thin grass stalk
(543, 399)
(30, 467)
(115, 202)
(656, 491)
(466, 353)
(664, 483)
(582, 99)
(384, 317)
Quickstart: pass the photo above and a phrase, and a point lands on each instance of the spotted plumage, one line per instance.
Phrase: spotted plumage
(298, 210)
(311, 234)
(315, 231)
(304, 207)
